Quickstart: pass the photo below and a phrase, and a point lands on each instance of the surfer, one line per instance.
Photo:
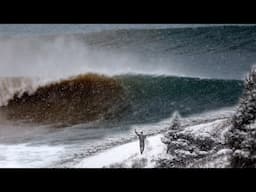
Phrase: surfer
(141, 139)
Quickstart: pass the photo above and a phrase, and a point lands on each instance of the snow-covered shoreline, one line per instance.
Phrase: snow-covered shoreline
(119, 150)
(128, 155)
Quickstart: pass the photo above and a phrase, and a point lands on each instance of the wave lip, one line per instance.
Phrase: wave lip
(9, 86)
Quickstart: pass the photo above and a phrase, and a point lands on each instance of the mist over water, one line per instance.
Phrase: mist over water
(62, 57)
(224, 52)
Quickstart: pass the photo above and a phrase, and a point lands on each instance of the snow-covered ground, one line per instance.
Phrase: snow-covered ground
(127, 155)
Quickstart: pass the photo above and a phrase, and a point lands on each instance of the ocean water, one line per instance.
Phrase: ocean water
(68, 91)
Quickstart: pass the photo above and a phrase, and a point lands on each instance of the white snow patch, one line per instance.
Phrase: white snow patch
(126, 154)
(204, 130)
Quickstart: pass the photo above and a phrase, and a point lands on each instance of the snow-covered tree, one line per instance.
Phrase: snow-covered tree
(175, 123)
(172, 129)
(242, 136)
(246, 111)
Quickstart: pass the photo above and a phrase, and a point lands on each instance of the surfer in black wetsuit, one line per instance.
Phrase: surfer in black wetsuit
(142, 140)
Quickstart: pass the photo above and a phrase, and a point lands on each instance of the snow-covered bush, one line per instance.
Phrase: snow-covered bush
(188, 145)
(242, 136)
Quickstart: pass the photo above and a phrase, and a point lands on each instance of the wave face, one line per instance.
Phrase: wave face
(156, 97)
(120, 99)
(79, 99)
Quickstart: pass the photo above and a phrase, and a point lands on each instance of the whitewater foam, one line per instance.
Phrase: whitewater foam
(26, 156)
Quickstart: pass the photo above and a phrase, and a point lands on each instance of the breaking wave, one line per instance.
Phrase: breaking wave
(77, 99)
(9, 86)
(123, 98)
